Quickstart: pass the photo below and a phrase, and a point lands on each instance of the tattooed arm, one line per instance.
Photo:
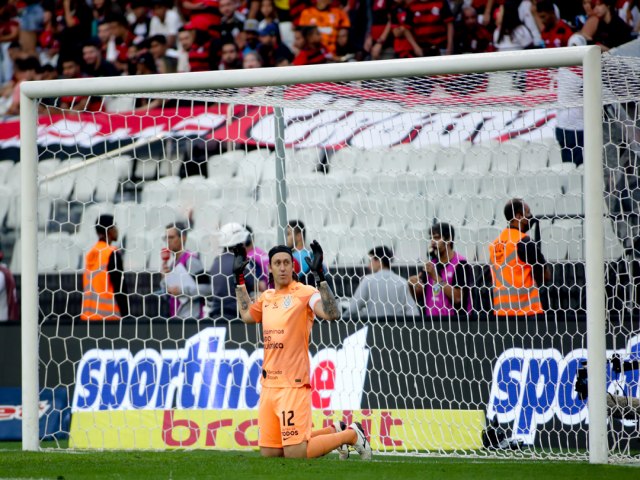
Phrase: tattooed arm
(244, 304)
(327, 308)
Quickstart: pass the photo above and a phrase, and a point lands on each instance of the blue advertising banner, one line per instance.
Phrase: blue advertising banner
(55, 413)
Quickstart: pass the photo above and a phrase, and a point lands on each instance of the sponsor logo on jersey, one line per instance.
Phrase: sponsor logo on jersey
(288, 301)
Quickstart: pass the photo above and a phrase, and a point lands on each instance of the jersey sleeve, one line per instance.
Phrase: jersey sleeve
(256, 309)
(315, 298)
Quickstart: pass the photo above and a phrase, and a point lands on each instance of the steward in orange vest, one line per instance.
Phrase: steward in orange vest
(104, 296)
(517, 265)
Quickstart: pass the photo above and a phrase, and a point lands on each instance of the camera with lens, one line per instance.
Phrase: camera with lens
(617, 365)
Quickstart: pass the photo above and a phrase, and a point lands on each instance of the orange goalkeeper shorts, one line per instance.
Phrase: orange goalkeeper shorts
(284, 416)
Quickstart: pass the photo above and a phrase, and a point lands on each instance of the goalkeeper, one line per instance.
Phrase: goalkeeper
(287, 314)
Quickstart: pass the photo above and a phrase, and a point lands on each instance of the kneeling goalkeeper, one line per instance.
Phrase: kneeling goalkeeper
(287, 314)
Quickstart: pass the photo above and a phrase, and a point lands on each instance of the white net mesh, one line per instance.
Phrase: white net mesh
(368, 164)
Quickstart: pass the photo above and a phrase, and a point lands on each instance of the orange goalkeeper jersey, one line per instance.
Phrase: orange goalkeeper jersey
(328, 21)
(287, 317)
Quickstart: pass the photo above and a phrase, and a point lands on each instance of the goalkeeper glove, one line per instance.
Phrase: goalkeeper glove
(240, 262)
(315, 262)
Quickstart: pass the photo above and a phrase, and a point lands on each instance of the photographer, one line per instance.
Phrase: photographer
(619, 406)
(443, 286)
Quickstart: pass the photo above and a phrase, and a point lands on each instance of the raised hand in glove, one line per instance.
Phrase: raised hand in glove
(240, 262)
(315, 262)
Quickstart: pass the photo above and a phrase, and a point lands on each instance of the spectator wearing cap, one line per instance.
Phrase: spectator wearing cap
(273, 53)
(165, 21)
(232, 21)
(382, 293)
(249, 41)
(312, 51)
(229, 56)
(223, 279)
(158, 48)
(329, 20)
(94, 64)
(104, 294)
(432, 26)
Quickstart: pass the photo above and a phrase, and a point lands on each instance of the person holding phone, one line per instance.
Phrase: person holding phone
(442, 287)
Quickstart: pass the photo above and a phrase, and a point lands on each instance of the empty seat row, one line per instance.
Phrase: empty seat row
(560, 241)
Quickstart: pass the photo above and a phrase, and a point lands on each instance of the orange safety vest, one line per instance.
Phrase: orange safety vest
(98, 299)
(514, 290)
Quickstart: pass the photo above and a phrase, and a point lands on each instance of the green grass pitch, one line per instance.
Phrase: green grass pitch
(63, 465)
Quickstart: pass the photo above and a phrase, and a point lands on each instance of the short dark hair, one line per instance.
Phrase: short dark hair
(445, 230)
(514, 207)
(382, 253)
(545, 6)
(161, 39)
(298, 227)
(103, 223)
(307, 30)
(180, 227)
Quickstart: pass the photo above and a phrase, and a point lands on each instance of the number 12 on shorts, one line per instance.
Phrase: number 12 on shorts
(287, 421)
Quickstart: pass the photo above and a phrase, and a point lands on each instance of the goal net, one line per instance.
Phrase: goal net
(422, 165)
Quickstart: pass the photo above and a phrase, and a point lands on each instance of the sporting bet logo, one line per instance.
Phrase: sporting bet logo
(206, 375)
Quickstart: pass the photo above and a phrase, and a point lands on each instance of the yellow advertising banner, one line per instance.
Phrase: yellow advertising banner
(388, 430)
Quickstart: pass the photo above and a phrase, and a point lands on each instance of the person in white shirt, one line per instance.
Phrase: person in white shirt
(512, 34)
(165, 21)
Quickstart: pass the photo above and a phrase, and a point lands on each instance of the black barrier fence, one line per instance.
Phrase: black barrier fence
(523, 369)
(60, 294)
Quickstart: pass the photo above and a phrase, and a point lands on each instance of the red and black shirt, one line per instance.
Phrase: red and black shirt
(430, 19)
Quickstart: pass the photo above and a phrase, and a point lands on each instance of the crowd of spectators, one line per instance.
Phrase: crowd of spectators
(51, 39)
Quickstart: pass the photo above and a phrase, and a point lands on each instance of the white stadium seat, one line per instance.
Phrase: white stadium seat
(161, 191)
(449, 161)
(534, 157)
(506, 159)
(477, 160)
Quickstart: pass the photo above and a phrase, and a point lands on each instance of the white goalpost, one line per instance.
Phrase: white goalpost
(360, 172)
